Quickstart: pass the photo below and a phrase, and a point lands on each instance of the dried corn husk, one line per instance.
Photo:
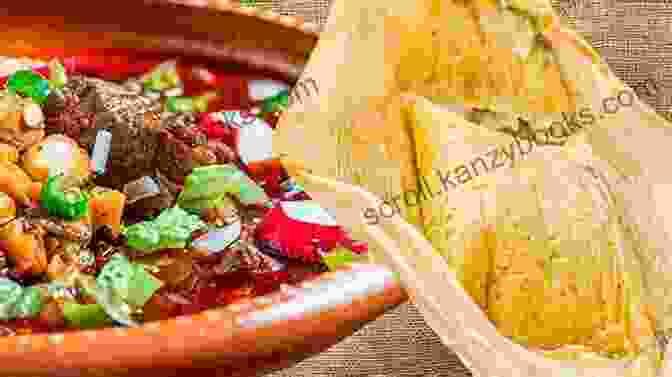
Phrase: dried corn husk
(559, 254)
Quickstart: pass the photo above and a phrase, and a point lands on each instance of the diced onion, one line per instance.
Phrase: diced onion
(101, 151)
(261, 89)
(308, 211)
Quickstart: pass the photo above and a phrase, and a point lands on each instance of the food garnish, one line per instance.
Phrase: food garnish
(127, 202)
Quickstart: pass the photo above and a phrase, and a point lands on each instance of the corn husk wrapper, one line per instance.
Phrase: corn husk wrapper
(543, 259)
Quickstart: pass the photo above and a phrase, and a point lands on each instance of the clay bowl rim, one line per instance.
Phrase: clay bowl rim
(248, 335)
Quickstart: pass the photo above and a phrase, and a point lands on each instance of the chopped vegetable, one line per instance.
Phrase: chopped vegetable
(11, 121)
(208, 184)
(57, 75)
(15, 182)
(175, 226)
(215, 128)
(35, 191)
(170, 230)
(107, 209)
(8, 153)
(7, 208)
(57, 154)
(340, 257)
(143, 236)
(113, 304)
(85, 316)
(198, 104)
(152, 94)
(180, 105)
(10, 105)
(19, 302)
(30, 303)
(10, 292)
(202, 102)
(277, 103)
(69, 205)
(219, 239)
(60, 291)
(29, 84)
(130, 281)
(25, 249)
(300, 239)
(163, 77)
(202, 204)
(33, 117)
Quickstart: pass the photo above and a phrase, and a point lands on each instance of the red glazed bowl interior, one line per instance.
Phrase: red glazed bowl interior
(268, 332)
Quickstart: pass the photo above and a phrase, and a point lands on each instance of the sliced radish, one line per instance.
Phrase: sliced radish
(57, 154)
(308, 211)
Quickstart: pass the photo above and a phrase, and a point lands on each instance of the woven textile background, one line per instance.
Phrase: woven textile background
(635, 37)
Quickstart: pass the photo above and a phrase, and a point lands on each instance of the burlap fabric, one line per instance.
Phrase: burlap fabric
(634, 38)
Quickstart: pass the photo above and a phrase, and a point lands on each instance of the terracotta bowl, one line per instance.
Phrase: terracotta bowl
(270, 332)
